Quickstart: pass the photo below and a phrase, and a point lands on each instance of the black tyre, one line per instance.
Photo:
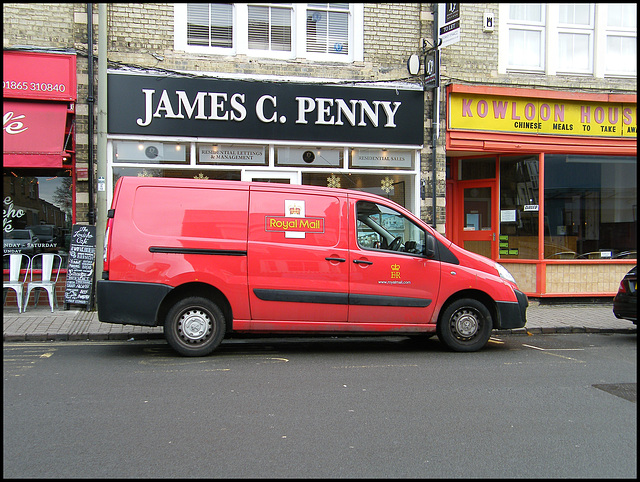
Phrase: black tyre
(465, 325)
(195, 326)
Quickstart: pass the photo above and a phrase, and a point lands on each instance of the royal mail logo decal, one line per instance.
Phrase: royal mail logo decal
(298, 225)
(294, 223)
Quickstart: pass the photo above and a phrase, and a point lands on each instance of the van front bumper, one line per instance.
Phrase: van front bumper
(512, 314)
(129, 303)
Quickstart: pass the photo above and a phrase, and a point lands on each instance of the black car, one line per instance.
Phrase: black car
(625, 304)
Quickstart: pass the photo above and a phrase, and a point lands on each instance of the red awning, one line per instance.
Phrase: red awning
(33, 134)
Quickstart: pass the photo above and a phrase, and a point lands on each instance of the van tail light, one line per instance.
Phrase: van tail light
(105, 251)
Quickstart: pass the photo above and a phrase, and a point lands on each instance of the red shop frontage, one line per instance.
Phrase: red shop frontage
(545, 182)
(39, 112)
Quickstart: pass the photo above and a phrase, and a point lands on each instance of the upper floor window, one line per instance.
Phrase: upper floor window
(568, 38)
(575, 37)
(316, 31)
(328, 28)
(526, 34)
(269, 28)
(210, 24)
(621, 33)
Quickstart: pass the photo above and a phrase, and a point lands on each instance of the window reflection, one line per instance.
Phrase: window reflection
(37, 212)
(590, 206)
(519, 180)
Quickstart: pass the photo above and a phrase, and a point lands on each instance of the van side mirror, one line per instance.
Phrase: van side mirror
(430, 248)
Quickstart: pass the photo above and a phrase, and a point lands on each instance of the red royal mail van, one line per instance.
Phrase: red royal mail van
(205, 258)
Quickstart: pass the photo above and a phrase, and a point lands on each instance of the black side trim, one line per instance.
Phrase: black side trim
(302, 296)
(218, 252)
(323, 297)
(375, 300)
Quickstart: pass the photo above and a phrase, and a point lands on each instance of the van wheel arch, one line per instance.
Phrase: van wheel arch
(196, 289)
(473, 308)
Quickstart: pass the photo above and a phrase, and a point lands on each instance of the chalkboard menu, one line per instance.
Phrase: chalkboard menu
(81, 267)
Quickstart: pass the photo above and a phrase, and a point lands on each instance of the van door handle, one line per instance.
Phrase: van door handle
(361, 261)
(340, 260)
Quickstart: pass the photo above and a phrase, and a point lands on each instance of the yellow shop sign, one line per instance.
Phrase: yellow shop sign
(541, 116)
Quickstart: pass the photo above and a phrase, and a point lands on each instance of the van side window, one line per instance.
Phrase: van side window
(380, 227)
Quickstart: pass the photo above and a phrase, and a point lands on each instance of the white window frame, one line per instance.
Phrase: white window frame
(504, 30)
(572, 29)
(180, 34)
(551, 28)
(607, 31)
(298, 36)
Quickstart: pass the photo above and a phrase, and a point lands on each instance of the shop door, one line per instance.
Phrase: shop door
(284, 177)
(477, 224)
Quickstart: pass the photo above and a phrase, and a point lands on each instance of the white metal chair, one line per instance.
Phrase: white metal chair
(49, 262)
(16, 283)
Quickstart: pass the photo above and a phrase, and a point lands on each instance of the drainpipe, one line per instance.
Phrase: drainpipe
(90, 101)
(436, 117)
(101, 223)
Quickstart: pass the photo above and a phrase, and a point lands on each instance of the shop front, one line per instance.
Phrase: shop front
(365, 137)
(546, 183)
(39, 99)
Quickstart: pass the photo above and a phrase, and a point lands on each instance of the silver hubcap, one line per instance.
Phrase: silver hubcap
(465, 323)
(194, 325)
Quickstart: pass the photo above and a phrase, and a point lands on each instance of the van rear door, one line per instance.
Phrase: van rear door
(297, 255)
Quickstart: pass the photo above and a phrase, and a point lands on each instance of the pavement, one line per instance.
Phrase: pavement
(40, 324)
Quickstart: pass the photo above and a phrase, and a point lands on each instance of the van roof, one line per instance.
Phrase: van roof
(238, 185)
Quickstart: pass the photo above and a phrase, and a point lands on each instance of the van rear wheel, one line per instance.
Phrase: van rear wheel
(194, 326)
(465, 325)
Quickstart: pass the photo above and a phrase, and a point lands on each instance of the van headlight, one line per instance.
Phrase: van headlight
(504, 273)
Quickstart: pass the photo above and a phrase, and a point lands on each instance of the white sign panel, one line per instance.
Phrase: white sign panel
(448, 23)
(232, 154)
(382, 158)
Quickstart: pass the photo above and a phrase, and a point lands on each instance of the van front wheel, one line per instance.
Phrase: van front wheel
(194, 326)
(465, 325)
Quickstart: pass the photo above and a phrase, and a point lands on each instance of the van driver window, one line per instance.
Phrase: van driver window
(383, 228)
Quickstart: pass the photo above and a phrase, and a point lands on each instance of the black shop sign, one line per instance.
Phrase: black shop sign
(239, 109)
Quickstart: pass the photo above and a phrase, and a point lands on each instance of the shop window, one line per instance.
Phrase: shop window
(472, 169)
(590, 207)
(391, 187)
(145, 152)
(309, 157)
(231, 175)
(519, 208)
(37, 212)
